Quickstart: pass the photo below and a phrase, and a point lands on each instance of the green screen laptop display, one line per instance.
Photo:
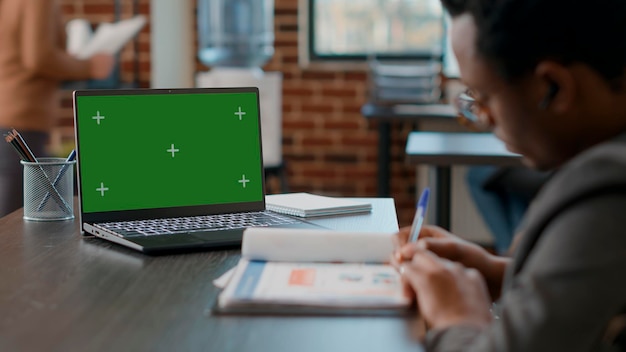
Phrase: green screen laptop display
(168, 150)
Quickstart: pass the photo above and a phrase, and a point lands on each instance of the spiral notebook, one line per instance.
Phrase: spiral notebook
(310, 205)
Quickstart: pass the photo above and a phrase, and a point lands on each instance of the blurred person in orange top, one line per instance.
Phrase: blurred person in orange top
(33, 62)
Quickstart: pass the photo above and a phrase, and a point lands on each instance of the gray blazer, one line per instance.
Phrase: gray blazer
(565, 289)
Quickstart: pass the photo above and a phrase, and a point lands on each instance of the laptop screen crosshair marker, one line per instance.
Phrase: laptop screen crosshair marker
(102, 189)
(173, 150)
(98, 117)
(243, 180)
(240, 113)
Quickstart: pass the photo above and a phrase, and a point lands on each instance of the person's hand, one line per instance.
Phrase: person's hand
(451, 247)
(427, 231)
(442, 243)
(101, 65)
(447, 293)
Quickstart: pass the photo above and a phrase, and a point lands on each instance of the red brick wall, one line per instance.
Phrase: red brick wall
(328, 146)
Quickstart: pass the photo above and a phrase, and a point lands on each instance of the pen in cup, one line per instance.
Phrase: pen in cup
(15, 139)
(58, 177)
(12, 138)
(19, 144)
(420, 212)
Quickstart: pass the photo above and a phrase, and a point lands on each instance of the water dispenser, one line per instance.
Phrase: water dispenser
(235, 33)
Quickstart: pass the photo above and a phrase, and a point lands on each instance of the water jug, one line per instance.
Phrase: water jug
(235, 33)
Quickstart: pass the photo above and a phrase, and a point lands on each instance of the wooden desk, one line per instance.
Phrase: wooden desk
(60, 292)
(444, 149)
(384, 115)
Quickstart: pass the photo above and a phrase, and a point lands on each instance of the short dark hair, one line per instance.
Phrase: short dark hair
(515, 35)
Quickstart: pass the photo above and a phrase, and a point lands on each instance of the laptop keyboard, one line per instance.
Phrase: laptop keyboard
(197, 223)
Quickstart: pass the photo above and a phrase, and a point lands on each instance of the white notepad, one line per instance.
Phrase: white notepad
(310, 205)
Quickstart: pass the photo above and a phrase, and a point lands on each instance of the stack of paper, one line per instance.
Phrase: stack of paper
(310, 205)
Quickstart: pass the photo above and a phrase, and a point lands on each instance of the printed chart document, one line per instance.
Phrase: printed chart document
(108, 38)
(310, 205)
(286, 271)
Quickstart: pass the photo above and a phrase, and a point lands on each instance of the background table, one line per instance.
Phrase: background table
(60, 292)
(444, 149)
(385, 115)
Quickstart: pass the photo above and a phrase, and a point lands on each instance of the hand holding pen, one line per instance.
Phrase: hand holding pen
(436, 242)
(413, 233)
(448, 276)
(398, 259)
(420, 213)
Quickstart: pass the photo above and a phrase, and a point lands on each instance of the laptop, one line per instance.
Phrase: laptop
(164, 170)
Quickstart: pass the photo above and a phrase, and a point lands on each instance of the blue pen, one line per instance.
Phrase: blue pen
(57, 179)
(420, 212)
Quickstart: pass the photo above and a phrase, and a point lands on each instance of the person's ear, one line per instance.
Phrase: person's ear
(558, 87)
(553, 89)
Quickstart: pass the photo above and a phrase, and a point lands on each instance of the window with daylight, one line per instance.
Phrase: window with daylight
(353, 30)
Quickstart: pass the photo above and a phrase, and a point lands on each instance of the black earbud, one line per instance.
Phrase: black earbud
(552, 91)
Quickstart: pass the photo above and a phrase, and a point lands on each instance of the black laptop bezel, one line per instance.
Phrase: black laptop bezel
(170, 212)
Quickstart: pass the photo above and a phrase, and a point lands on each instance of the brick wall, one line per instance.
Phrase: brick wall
(328, 146)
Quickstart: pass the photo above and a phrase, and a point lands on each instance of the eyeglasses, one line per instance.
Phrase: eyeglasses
(471, 113)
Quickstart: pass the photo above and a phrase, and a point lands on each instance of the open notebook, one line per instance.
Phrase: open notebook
(314, 272)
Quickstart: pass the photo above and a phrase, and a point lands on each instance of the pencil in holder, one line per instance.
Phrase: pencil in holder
(48, 189)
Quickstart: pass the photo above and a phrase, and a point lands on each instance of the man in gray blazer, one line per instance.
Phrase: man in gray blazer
(548, 77)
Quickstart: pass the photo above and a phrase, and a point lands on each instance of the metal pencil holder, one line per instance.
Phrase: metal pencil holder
(48, 189)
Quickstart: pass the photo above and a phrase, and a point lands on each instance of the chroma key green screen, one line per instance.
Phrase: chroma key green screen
(143, 151)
